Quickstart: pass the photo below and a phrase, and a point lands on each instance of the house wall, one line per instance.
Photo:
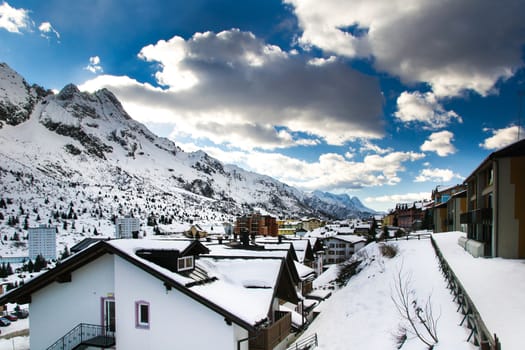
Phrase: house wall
(517, 178)
(340, 251)
(460, 207)
(511, 188)
(59, 307)
(175, 318)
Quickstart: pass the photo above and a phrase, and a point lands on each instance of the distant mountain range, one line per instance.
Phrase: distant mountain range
(83, 151)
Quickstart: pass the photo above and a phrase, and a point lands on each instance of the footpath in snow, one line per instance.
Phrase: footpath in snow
(495, 285)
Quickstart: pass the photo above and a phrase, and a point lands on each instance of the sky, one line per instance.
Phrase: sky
(384, 100)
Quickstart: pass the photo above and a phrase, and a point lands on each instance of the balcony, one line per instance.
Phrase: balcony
(85, 336)
(478, 216)
(269, 337)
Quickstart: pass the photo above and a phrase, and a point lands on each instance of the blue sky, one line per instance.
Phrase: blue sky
(379, 99)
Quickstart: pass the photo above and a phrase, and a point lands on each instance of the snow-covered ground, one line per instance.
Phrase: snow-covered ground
(496, 286)
(8, 338)
(362, 315)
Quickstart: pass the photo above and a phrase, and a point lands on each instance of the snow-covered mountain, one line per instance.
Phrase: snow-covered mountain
(82, 153)
(337, 205)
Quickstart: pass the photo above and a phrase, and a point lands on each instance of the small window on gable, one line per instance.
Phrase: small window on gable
(142, 314)
(185, 263)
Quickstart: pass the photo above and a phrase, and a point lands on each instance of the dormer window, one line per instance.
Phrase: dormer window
(185, 263)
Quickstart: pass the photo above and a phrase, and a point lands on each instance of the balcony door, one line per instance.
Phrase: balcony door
(108, 314)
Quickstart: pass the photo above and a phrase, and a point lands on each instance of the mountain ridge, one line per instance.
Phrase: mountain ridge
(86, 147)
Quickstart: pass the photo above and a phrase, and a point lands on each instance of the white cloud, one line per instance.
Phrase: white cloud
(423, 108)
(502, 137)
(46, 29)
(479, 44)
(330, 171)
(94, 65)
(367, 146)
(232, 88)
(440, 142)
(437, 175)
(14, 20)
(400, 198)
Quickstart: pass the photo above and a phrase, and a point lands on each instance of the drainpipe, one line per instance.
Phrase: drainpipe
(495, 197)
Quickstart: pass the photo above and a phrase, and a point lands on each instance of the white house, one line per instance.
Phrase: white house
(127, 227)
(341, 247)
(42, 241)
(146, 294)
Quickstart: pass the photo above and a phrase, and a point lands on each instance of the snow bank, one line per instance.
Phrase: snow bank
(496, 286)
(361, 315)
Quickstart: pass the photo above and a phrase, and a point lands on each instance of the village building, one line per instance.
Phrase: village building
(449, 203)
(256, 225)
(341, 247)
(495, 216)
(149, 294)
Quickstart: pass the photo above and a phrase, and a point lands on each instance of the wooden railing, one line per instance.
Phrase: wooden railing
(269, 337)
(479, 335)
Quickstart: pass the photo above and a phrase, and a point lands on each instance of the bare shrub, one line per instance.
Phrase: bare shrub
(388, 250)
(420, 320)
(346, 271)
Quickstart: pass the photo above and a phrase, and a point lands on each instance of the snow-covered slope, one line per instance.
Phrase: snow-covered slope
(17, 98)
(81, 153)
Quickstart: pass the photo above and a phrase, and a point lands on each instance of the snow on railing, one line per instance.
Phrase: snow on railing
(307, 343)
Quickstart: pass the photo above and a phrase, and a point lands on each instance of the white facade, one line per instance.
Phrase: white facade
(175, 319)
(339, 249)
(42, 241)
(59, 307)
(125, 227)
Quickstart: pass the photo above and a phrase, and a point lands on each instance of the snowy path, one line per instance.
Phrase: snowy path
(362, 314)
(496, 286)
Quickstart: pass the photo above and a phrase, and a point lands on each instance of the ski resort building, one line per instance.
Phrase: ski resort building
(42, 241)
(127, 227)
(496, 205)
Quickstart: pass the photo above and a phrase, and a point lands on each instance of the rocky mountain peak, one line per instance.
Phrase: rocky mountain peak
(68, 92)
(16, 97)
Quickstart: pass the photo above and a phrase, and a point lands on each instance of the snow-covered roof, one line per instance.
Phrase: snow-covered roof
(349, 238)
(244, 288)
(223, 250)
(304, 271)
(240, 288)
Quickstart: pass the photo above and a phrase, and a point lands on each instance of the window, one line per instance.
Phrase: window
(142, 314)
(185, 263)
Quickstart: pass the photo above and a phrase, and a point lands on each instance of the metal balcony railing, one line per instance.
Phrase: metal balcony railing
(85, 334)
(477, 216)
